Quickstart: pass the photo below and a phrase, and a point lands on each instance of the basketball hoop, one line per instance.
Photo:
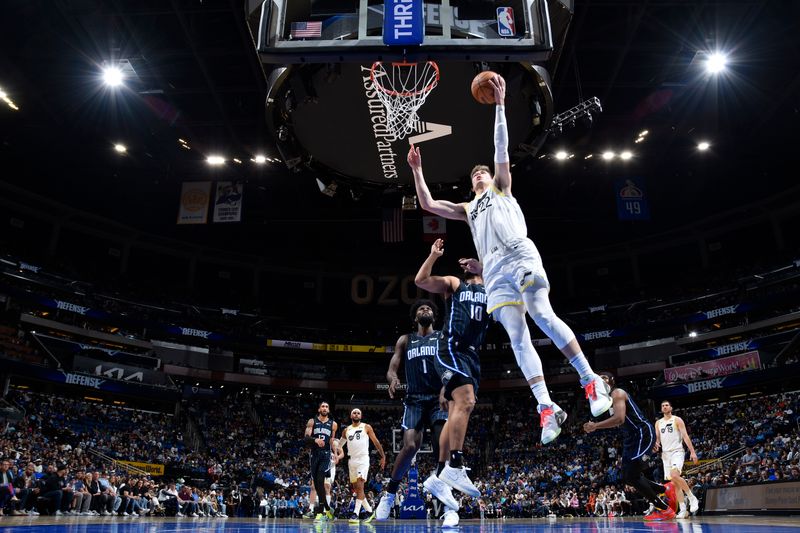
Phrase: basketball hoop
(403, 88)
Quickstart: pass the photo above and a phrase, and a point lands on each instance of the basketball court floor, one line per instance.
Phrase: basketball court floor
(716, 524)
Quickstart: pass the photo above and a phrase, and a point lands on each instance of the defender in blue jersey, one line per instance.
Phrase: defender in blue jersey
(638, 437)
(320, 436)
(458, 366)
(417, 351)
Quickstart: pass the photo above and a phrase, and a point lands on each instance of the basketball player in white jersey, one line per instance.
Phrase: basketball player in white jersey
(670, 436)
(513, 274)
(356, 437)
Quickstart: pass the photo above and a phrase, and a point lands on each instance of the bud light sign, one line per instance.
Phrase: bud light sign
(505, 22)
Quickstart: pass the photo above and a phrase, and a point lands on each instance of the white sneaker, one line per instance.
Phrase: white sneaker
(694, 504)
(552, 418)
(384, 506)
(599, 395)
(86, 513)
(441, 490)
(683, 514)
(650, 509)
(59, 513)
(459, 480)
(180, 515)
(450, 518)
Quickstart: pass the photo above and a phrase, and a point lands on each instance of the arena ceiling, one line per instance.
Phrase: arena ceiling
(193, 74)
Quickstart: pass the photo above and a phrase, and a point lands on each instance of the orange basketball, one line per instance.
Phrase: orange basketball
(482, 89)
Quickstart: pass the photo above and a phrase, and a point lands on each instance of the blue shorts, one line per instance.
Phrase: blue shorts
(458, 367)
(422, 410)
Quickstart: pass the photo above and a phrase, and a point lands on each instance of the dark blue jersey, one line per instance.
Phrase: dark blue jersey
(465, 320)
(324, 431)
(421, 377)
(637, 432)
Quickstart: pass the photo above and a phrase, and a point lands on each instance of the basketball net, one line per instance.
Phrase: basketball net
(402, 88)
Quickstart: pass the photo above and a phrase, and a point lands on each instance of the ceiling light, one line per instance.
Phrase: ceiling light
(181, 141)
(608, 156)
(693, 334)
(112, 76)
(716, 63)
(643, 133)
(215, 160)
(703, 146)
(259, 159)
(120, 148)
(625, 155)
(239, 161)
(589, 156)
(640, 139)
(4, 97)
(561, 155)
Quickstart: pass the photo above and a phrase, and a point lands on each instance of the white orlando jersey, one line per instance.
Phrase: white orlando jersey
(496, 221)
(670, 434)
(357, 441)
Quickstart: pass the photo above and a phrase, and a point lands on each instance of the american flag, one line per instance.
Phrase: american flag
(306, 29)
(392, 226)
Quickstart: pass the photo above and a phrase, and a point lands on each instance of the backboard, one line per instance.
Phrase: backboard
(323, 110)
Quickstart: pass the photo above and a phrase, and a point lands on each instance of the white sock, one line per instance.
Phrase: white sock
(328, 499)
(581, 365)
(541, 393)
(357, 510)
(367, 506)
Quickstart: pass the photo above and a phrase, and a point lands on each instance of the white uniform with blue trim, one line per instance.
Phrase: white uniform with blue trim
(672, 453)
(511, 262)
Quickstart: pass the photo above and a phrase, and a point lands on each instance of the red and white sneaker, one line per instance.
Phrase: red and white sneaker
(551, 420)
(670, 496)
(660, 516)
(599, 395)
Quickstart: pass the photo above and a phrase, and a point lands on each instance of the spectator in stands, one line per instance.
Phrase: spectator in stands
(81, 499)
(25, 485)
(55, 489)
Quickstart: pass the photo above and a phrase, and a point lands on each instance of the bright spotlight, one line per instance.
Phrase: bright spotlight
(716, 63)
(259, 159)
(626, 155)
(561, 155)
(112, 76)
(608, 156)
(693, 334)
(120, 148)
(703, 146)
(215, 160)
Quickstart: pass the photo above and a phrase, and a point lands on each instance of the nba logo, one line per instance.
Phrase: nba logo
(505, 22)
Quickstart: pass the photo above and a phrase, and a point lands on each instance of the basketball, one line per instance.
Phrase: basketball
(482, 89)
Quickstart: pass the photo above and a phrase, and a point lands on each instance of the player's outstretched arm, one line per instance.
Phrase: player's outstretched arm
(394, 365)
(377, 444)
(445, 285)
(502, 162)
(687, 440)
(658, 437)
(442, 208)
(618, 398)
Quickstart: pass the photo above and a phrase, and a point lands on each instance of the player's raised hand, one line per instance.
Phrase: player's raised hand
(414, 158)
(499, 86)
(437, 248)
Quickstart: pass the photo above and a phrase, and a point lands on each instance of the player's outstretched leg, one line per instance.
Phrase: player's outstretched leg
(537, 302)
